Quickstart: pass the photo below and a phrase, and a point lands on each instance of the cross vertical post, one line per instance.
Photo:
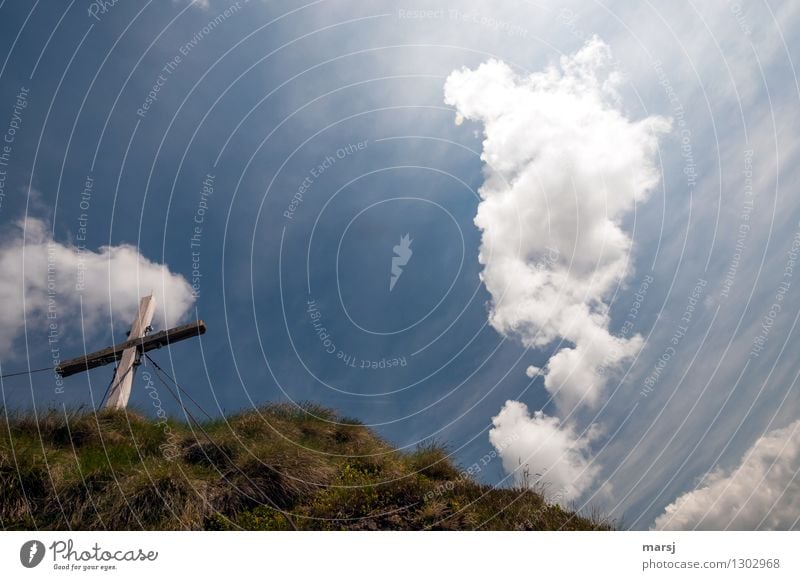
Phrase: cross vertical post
(120, 390)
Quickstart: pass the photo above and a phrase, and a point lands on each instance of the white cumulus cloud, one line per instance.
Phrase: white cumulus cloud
(563, 166)
(762, 493)
(45, 281)
(548, 451)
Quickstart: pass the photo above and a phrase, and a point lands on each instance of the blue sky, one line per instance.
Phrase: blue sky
(325, 132)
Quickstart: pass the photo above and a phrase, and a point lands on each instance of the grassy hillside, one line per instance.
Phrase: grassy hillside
(118, 470)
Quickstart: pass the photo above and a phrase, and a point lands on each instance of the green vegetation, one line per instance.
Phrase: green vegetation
(276, 468)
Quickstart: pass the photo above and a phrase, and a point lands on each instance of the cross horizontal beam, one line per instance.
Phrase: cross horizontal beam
(144, 344)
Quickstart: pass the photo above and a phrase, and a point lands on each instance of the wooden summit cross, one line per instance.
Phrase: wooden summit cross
(129, 353)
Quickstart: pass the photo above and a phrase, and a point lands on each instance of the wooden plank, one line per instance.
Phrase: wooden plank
(120, 390)
(144, 344)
